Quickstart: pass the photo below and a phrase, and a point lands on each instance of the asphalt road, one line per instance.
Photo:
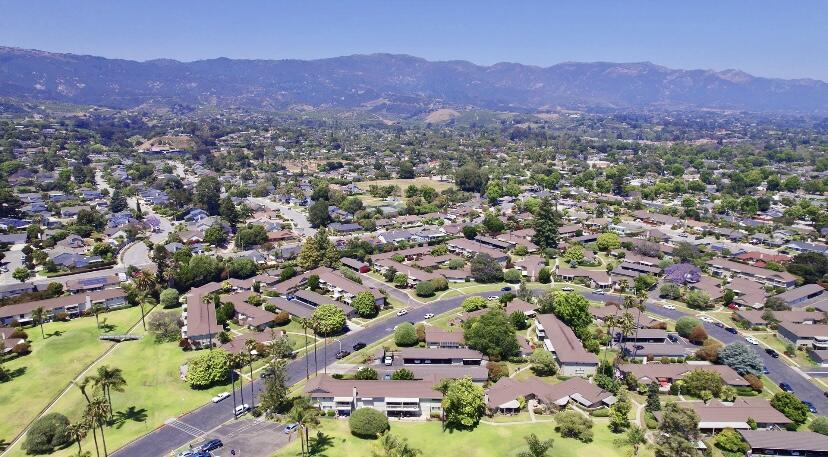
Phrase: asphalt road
(210, 416)
(299, 220)
(779, 371)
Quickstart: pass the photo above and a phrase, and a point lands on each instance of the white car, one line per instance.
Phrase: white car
(402, 312)
(221, 397)
(752, 340)
(428, 316)
(241, 409)
(669, 306)
(567, 289)
(493, 297)
(707, 319)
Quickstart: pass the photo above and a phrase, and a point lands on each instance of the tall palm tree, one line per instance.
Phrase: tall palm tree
(96, 413)
(78, 431)
(389, 445)
(144, 280)
(304, 414)
(97, 309)
(83, 385)
(109, 379)
(38, 317)
(304, 323)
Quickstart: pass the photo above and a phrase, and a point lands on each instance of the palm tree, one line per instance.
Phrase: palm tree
(304, 414)
(109, 379)
(78, 431)
(611, 322)
(537, 448)
(627, 326)
(83, 384)
(144, 281)
(96, 413)
(38, 317)
(97, 309)
(304, 323)
(389, 445)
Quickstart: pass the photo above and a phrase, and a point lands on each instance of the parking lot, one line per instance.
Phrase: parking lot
(248, 438)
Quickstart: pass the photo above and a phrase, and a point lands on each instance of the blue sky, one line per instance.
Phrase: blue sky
(767, 38)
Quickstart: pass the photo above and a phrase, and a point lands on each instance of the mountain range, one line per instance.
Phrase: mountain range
(396, 84)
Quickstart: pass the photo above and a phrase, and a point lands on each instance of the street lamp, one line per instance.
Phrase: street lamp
(253, 353)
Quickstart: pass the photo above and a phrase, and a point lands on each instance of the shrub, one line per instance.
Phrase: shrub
(403, 374)
(698, 335)
(497, 370)
(512, 276)
(791, 406)
(47, 434)
(365, 304)
(405, 335)
(163, 326)
(425, 289)
(440, 283)
(730, 440)
(169, 298)
(281, 318)
(208, 369)
(366, 373)
(22, 348)
(819, 425)
(367, 422)
(474, 303)
(600, 412)
(686, 324)
(544, 276)
(754, 381)
(543, 362)
(572, 424)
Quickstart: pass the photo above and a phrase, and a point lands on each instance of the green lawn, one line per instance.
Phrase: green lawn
(484, 441)
(54, 362)
(154, 392)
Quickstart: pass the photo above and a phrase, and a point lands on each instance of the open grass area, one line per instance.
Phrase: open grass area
(484, 441)
(154, 392)
(439, 186)
(54, 362)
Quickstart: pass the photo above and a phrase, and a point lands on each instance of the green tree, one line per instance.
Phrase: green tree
(635, 437)
(108, 379)
(619, 419)
(242, 268)
(215, 235)
(207, 194)
(403, 374)
(405, 335)
(492, 223)
(389, 445)
(573, 310)
(543, 362)
(574, 254)
(463, 403)
(679, 432)
(367, 422)
(698, 381)
(117, 202)
(274, 396)
(169, 298)
(208, 369)
(406, 170)
(470, 232)
(364, 304)
(608, 241)
(547, 222)
(791, 406)
(741, 358)
(492, 334)
(698, 300)
(228, 212)
(730, 440)
(545, 275)
(571, 424)
(653, 399)
(425, 289)
(819, 425)
(327, 319)
(686, 324)
(474, 303)
(318, 214)
(484, 269)
(366, 374)
(47, 434)
(537, 447)
(38, 318)
(21, 274)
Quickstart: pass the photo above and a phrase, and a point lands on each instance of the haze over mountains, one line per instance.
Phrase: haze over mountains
(397, 84)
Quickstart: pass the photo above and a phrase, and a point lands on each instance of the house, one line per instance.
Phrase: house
(200, 325)
(9, 339)
(665, 374)
(728, 268)
(356, 265)
(15, 289)
(248, 315)
(814, 335)
(558, 338)
(518, 305)
(594, 278)
(478, 373)
(72, 305)
(89, 284)
(439, 356)
(749, 293)
(345, 289)
(785, 443)
(504, 396)
(531, 266)
(314, 299)
(756, 318)
(471, 248)
(436, 337)
(292, 307)
(239, 344)
(716, 415)
(415, 275)
(416, 398)
(800, 296)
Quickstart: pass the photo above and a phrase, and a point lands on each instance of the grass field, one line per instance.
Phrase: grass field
(484, 441)
(154, 392)
(439, 186)
(68, 348)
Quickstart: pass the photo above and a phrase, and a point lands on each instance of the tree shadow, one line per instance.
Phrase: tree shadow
(319, 444)
(106, 327)
(16, 373)
(55, 333)
(129, 414)
(4, 445)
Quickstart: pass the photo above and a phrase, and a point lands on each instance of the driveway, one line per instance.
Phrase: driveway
(299, 220)
(12, 261)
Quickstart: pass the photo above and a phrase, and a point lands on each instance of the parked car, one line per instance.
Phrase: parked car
(506, 289)
(752, 340)
(672, 337)
(599, 291)
(785, 387)
(493, 297)
(220, 397)
(289, 428)
(669, 306)
(766, 371)
(810, 406)
(719, 324)
(567, 289)
(733, 307)
(241, 409)
(428, 316)
(211, 445)
(402, 312)
(187, 453)
(772, 353)
(732, 330)
(266, 373)
(359, 346)
(707, 319)
(342, 354)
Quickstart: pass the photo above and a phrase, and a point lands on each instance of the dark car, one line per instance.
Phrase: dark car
(639, 347)
(766, 371)
(342, 354)
(506, 289)
(672, 337)
(210, 445)
(732, 330)
(785, 387)
(718, 324)
(772, 353)
(359, 346)
(810, 406)
(266, 373)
